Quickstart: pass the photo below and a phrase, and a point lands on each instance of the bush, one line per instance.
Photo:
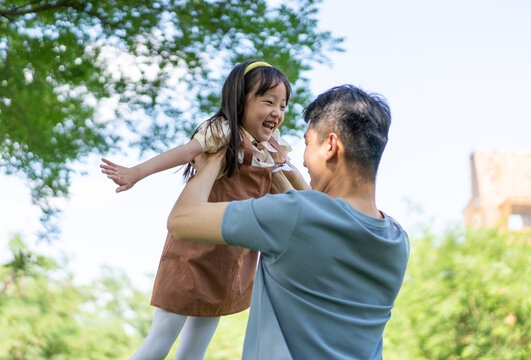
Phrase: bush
(44, 315)
(465, 296)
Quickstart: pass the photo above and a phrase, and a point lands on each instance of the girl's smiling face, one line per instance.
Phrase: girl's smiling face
(263, 114)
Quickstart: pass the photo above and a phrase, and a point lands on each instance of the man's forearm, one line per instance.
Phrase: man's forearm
(198, 187)
(280, 183)
(296, 179)
(193, 218)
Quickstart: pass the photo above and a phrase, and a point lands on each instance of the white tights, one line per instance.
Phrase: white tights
(166, 326)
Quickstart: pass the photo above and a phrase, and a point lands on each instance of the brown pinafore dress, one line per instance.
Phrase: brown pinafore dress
(198, 279)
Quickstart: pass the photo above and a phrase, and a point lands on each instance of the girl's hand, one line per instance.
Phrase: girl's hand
(124, 177)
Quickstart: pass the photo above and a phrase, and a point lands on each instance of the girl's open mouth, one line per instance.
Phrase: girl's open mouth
(269, 125)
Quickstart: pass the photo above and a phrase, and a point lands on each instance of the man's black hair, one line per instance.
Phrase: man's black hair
(361, 121)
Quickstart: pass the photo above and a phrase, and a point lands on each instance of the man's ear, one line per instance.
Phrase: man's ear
(333, 145)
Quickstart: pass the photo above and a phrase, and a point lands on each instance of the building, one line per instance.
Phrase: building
(501, 190)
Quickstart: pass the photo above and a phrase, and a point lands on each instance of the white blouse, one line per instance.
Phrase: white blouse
(217, 136)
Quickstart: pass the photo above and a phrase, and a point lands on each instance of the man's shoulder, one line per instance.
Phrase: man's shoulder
(307, 195)
(288, 201)
(304, 198)
(315, 204)
(286, 206)
(395, 223)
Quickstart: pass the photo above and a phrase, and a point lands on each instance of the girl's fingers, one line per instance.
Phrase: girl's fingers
(109, 172)
(107, 167)
(123, 188)
(108, 162)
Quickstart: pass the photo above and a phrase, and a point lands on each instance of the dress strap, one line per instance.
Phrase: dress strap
(247, 150)
(278, 148)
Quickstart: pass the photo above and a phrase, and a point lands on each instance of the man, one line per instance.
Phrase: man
(331, 263)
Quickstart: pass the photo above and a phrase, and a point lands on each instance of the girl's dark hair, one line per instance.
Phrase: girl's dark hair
(236, 88)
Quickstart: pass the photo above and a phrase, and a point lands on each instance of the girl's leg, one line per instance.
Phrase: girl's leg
(164, 330)
(195, 337)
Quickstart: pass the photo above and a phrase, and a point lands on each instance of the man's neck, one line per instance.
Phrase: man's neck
(359, 194)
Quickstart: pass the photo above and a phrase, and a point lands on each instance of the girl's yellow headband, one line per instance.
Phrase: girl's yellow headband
(255, 65)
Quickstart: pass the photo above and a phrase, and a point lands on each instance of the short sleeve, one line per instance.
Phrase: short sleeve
(282, 142)
(213, 136)
(284, 145)
(265, 224)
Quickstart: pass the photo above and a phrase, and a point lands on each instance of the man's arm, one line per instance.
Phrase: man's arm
(280, 183)
(193, 218)
(296, 179)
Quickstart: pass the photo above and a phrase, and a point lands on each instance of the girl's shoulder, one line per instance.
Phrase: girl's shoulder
(213, 134)
(219, 121)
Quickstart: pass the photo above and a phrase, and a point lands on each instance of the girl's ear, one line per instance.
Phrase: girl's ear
(333, 144)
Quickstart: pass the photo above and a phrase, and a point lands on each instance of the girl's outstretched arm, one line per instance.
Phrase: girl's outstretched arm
(126, 177)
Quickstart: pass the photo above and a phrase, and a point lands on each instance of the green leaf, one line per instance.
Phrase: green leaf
(164, 61)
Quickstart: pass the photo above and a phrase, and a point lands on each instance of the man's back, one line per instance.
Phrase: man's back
(327, 279)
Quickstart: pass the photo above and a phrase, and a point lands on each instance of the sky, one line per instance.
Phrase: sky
(457, 76)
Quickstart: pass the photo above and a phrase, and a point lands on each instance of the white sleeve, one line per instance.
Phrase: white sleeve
(214, 136)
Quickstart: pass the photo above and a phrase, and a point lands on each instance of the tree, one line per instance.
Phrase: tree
(45, 315)
(465, 296)
(161, 62)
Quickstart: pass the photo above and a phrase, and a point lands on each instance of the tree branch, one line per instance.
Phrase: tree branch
(11, 279)
(18, 11)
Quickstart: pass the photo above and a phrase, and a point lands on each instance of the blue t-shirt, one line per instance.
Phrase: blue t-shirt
(327, 278)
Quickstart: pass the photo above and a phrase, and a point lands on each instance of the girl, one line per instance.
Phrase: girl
(197, 283)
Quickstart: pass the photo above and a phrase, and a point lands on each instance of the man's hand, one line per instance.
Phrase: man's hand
(124, 177)
(216, 160)
(280, 183)
(296, 179)
(187, 218)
